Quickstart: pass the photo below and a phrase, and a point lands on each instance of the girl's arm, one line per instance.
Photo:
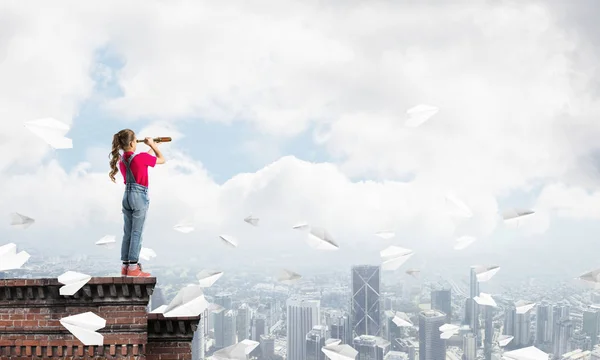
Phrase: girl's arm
(160, 159)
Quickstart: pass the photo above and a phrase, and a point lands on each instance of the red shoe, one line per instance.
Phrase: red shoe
(137, 271)
(124, 270)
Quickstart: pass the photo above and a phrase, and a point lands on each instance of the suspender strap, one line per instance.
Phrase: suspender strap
(129, 178)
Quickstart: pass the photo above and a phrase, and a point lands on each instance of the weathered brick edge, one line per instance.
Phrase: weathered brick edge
(170, 338)
(30, 310)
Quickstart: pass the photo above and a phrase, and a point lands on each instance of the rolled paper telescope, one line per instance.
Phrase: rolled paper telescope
(158, 140)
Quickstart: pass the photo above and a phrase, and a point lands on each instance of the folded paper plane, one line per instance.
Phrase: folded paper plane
(419, 114)
(485, 300)
(320, 239)
(21, 221)
(528, 353)
(394, 256)
(189, 301)
(301, 226)
(147, 254)
(107, 241)
(523, 306)
(339, 352)
(504, 340)
(485, 272)
(10, 259)
(239, 351)
(288, 277)
(448, 330)
(402, 320)
(184, 228)
(73, 281)
(252, 220)
(207, 278)
(413, 272)
(457, 207)
(51, 131)
(229, 240)
(84, 326)
(386, 235)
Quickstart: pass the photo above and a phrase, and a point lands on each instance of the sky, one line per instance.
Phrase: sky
(294, 111)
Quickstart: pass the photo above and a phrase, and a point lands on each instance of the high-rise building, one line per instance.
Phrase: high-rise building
(522, 330)
(339, 325)
(488, 312)
(510, 319)
(267, 346)
(223, 299)
(431, 345)
(580, 341)
(544, 323)
(391, 331)
(315, 340)
(243, 322)
(259, 327)
(591, 325)
(302, 315)
(562, 334)
(365, 306)
(370, 347)
(442, 300)
(469, 347)
(472, 306)
(229, 328)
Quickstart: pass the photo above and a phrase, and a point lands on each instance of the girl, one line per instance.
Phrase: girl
(134, 168)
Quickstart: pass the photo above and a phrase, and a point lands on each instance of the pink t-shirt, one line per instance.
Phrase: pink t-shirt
(139, 166)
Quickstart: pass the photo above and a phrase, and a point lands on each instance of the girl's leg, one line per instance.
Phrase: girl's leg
(126, 243)
(138, 219)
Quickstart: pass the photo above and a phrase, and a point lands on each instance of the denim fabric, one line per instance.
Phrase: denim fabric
(135, 205)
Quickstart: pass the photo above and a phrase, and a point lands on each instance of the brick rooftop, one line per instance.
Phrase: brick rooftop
(30, 310)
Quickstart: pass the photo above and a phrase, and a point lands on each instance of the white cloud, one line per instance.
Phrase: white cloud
(501, 75)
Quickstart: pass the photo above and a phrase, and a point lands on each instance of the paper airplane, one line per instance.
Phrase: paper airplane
(402, 320)
(528, 353)
(591, 276)
(463, 242)
(288, 277)
(301, 226)
(107, 241)
(339, 352)
(73, 281)
(21, 221)
(252, 220)
(84, 326)
(456, 207)
(386, 235)
(184, 228)
(10, 259)
(516, 213)
(189, 301)
(504, 340)
(447, 330)
(485, 300)
(207, 278)
(51, 131)
(523, 306)
(394, 256)
(413, 272)
(320, 239)
(229, 240)
(419, 114)
(147, 254)
(485, 273)
(239, 351)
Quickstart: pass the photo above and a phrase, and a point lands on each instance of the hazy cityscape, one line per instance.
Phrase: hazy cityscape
(360, 306)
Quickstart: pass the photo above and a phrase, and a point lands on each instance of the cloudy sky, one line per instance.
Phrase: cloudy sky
(294, 111)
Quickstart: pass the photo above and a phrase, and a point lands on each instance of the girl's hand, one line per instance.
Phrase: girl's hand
(149, 141)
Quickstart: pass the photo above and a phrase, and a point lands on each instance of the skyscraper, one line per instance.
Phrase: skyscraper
(510, 319)
(472, 309)
(243, 322)
(302, 315)
(469, 347)
(259, 327)
(591, 324)
(340, 327)
(442, 300)
(431, 346)
(315, 340)
(267, 346)
(365, 306)
(229, 328)
(488, 312)
(223, 299)
(562, 334)
(544, 321)
(522, 330)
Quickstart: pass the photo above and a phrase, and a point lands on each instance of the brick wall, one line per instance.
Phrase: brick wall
(30, 310)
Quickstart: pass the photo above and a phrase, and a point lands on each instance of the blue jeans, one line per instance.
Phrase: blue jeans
(135, 206)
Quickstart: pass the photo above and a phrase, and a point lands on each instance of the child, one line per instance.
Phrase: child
(134, 168)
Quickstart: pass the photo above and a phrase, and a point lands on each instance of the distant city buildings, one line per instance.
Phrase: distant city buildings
(431, 345)
(302, 315)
